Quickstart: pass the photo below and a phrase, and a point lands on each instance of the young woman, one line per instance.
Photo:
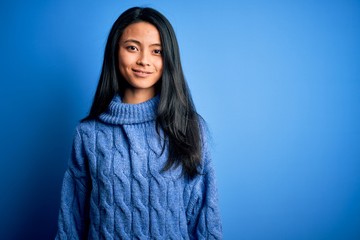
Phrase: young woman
(140, 165)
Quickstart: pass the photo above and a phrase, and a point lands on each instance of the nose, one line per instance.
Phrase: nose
(143, 59)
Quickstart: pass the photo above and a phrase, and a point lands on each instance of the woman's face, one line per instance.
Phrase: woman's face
(140, 59)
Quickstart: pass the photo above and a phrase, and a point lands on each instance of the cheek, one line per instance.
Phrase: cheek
(121, 60)
(159, 65)
(122, 68)
(124, 59)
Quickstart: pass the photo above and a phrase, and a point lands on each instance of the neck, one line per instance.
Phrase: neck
(135, 96)
(119, 112)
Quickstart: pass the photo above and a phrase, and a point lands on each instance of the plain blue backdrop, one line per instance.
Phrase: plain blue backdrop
(277, 81)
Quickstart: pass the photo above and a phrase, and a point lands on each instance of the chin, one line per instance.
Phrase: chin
(142, 84)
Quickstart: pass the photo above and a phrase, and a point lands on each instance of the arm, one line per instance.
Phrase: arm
(74, 214)
(204, 219)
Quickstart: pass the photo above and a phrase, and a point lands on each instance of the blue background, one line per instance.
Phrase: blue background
(277, 81)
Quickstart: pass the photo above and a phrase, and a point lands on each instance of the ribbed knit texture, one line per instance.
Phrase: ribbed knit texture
(114, 187)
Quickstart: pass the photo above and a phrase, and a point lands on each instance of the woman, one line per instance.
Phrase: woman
(140, 166)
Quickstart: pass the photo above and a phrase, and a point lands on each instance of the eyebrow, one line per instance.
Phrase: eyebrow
(138, 43)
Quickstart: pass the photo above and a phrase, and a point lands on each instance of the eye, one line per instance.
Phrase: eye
(131, 48)
(157, 51)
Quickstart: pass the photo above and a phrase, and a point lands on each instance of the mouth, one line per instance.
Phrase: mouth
(141, 73)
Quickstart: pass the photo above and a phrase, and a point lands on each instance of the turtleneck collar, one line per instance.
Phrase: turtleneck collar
(126, 113)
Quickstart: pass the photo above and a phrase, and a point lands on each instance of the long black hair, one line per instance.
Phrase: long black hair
(176, 113)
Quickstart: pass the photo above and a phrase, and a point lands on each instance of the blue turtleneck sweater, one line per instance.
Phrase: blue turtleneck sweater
(114, 188)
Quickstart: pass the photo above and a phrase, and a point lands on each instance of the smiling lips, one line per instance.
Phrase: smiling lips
(141, 73)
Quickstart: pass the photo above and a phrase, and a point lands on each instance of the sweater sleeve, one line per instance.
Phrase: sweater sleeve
(204, 220)
(74, 215)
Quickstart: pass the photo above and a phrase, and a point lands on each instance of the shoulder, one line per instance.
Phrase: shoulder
(94, 131)
(206, 147)
(89, 128)
(85, 127)
(204, 129)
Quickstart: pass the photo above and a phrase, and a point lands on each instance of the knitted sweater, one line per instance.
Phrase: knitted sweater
(114, 188)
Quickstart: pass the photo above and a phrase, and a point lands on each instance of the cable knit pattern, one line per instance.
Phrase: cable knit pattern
(114, 187)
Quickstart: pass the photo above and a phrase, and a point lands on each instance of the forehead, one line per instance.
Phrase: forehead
(142, 31)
